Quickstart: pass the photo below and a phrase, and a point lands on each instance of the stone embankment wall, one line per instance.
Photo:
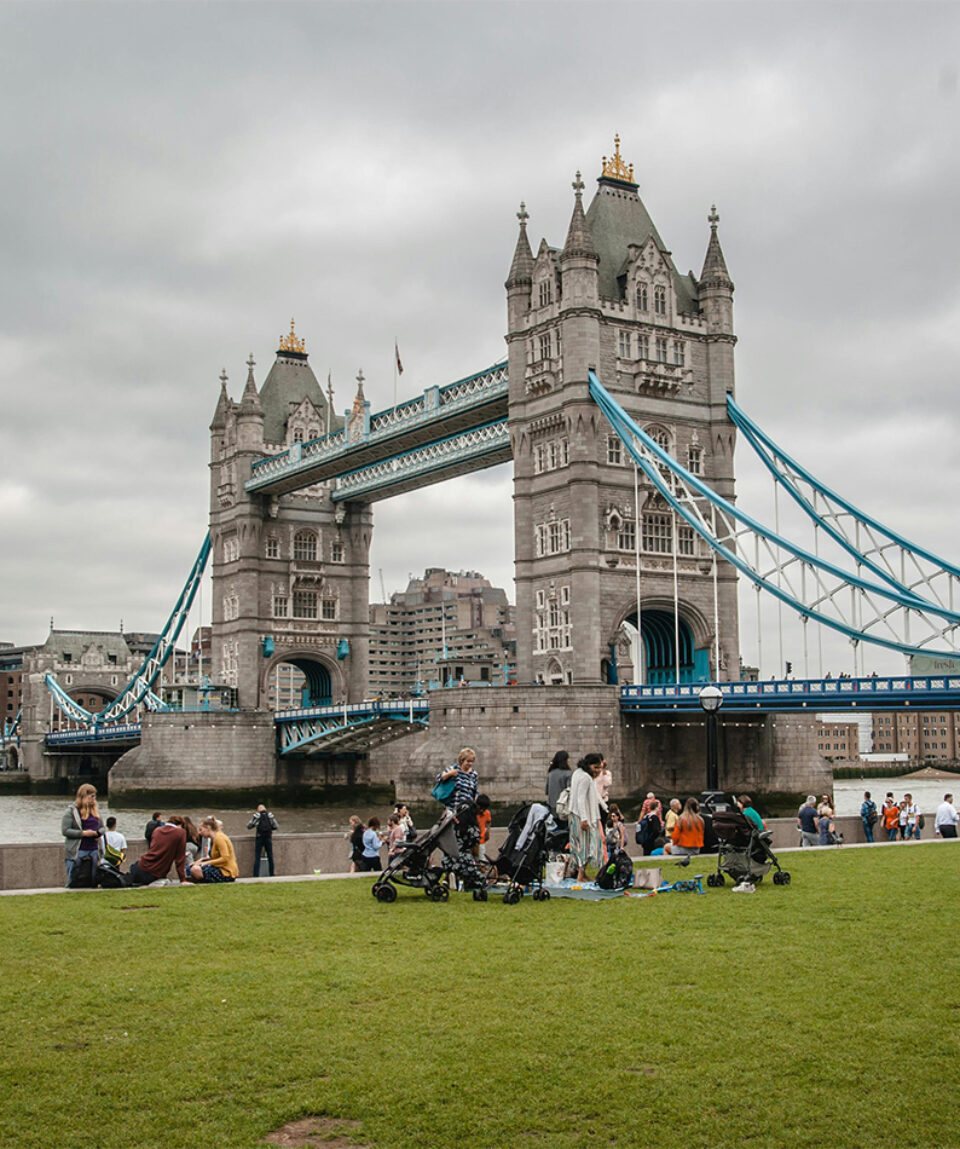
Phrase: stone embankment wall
(515, 733)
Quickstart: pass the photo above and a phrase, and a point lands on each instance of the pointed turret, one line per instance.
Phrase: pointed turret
(250, 401)
(521, 269)
(223, 404)
(579, 243)
(715, 274)
(579, 261)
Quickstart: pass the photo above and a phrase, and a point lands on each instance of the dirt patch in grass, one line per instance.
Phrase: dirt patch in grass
(140, 907)
(315, 1131)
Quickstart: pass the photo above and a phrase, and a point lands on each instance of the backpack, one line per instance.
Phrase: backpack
(563, 804)
(83, 877)
(617, 874)
(110, 878)
(871, 813)
(112, 855)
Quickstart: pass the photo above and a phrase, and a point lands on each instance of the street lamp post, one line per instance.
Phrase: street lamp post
(711, 699)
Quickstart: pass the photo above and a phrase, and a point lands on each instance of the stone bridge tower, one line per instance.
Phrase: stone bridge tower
(662, 343)
(290, 573)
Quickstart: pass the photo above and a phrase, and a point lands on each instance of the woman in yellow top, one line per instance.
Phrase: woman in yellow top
(221, 866)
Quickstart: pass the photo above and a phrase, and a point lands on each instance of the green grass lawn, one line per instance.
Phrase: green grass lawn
(822, 1014)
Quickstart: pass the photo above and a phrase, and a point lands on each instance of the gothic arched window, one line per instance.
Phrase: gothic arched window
(305, 546)
(641, 296)
(660, 300)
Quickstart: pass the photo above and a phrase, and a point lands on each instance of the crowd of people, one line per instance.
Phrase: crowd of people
(199, 854)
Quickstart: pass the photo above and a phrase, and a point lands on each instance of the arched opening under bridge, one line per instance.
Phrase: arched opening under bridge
(659, 632)
(298, 680)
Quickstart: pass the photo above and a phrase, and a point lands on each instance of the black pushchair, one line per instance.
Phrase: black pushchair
(411, 865)
(743, 851)
(532, 836)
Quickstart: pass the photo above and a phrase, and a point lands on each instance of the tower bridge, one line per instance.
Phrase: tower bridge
(616, 406)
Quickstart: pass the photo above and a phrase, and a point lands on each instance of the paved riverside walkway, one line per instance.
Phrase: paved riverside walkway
(661, 860)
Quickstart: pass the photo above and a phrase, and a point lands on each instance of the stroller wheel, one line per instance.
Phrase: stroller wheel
(511, 897)
(385, 893)
(715, 880)
(479, 895)
(541, 895)
(439, 893)
(782, 878)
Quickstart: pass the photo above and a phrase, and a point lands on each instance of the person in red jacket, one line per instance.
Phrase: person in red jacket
(168, 847)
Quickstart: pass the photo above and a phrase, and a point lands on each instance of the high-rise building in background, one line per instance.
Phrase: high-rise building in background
(447, 627)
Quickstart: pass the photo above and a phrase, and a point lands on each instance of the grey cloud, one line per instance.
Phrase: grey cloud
(181, 179)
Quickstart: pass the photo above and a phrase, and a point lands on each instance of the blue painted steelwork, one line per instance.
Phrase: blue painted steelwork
(361, 724)
(435, 461)
(95, 736)
(873, 550)
(139, 689)
(818, 694)
(459, 406)
(877, 613)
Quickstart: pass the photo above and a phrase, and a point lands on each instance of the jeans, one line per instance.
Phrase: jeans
(266, 845)
(892, 833)
(69, 863)
(867, 830)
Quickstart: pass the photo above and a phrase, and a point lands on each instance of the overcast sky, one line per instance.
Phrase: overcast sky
(181, 179)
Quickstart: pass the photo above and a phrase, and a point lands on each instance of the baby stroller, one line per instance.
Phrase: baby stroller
(524, 852)
(410, 866)
(743, 851)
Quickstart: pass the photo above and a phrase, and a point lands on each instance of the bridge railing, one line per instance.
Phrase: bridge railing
(817, 693)
(434, 403)
(127, 733)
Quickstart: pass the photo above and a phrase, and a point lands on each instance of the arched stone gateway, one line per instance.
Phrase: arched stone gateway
(660, 632)
(301, 678)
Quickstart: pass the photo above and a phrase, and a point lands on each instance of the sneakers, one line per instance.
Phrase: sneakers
(745, 888)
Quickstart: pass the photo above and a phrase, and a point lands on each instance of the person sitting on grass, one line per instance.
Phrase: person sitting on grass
(688, 832)
(168, 847)
(221, 866)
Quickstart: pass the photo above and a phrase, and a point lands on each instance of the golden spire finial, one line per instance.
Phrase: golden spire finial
(616, 169)
(292, 343)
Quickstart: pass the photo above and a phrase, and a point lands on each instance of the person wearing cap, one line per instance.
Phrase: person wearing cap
(947, 818)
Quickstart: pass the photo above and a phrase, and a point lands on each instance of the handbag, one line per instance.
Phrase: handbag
(563, 804)
(443, 790)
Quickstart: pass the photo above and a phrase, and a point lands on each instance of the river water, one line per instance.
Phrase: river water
(36, 817)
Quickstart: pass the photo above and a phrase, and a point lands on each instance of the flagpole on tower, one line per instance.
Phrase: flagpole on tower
(397, 369)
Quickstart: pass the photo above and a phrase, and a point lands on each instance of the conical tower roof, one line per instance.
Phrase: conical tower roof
(521, 269)
(290, 381)
(579, 240)
(618, 218)
(715, 272)
(223, 404)
(250, 400)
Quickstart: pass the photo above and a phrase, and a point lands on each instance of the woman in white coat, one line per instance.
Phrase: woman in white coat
(586, 840)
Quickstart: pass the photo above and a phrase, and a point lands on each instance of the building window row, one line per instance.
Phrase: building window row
(550, 455)
(665, 351)
(553, 537)
(659, 298)
(306, 547)
(546, 345)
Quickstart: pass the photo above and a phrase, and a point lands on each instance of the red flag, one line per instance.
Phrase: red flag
(396, 351)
